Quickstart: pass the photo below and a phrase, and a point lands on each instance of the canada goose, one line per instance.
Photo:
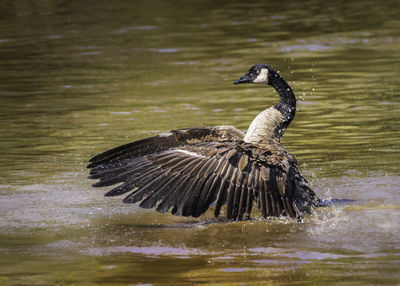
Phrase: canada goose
(190, 169)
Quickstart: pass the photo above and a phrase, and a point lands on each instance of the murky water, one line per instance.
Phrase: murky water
(77, 79)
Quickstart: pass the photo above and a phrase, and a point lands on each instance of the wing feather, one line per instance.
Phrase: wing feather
(117, 175)
(170, 199)
(151, 200)
(121, 189)
(145, 172)
(231, 195)
(166, 141)
(196, 173)
(244, 193)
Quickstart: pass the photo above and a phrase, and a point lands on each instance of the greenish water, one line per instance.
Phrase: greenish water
(79, 78)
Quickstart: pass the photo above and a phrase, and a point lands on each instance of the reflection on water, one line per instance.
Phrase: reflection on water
(78, 79)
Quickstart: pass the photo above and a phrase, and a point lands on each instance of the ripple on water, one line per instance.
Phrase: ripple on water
(147, 251)
(55, 37)
(237, 269)
(135, 28)
(121, 112)
(166, 50)
(310, 47)
(93, 53)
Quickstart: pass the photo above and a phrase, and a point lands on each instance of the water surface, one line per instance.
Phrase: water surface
(77, 79)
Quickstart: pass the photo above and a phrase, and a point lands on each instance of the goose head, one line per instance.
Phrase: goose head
(259, 73)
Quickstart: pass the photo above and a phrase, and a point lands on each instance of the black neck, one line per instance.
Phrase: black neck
(287, 100)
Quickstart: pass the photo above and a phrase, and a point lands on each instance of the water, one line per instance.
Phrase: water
(77, 79)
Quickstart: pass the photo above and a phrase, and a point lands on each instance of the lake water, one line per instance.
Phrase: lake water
(79, 78)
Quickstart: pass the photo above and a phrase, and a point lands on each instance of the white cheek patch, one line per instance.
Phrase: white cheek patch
(262, 77)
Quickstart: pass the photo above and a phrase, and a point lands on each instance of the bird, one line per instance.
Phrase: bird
(187, 171)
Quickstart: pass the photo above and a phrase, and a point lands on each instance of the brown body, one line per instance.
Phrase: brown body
(188, 170)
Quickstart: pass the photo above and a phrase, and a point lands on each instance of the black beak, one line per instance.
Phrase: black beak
(244, 79)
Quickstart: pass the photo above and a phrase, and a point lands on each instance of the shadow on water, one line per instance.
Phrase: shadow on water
(78, 79)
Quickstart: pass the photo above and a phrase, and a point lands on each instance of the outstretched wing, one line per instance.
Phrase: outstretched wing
(191, 177)
(165, 141)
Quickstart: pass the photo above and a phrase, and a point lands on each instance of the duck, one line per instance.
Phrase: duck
(187, 171)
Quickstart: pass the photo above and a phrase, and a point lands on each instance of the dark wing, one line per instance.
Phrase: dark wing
(165, 141)
(190, 178)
